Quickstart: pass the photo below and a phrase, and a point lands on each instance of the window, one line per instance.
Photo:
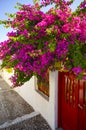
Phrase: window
(43, 86)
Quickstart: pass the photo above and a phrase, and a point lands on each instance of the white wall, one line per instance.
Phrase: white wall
(6, 76)
(47, 108)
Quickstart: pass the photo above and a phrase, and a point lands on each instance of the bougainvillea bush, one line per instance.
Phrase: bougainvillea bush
(39, 40)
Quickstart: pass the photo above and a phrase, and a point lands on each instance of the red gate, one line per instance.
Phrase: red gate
(72, 102)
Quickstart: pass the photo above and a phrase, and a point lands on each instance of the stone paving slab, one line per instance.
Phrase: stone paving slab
(35, 123)
(11, 104)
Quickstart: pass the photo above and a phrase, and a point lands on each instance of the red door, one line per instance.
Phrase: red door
(72, 102)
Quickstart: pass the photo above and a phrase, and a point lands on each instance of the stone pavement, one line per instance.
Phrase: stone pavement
(16, 114)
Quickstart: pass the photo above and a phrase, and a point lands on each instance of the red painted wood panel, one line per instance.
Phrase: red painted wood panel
(72, 102)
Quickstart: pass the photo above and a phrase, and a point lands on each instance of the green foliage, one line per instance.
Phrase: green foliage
(22, 77)
(76, 55)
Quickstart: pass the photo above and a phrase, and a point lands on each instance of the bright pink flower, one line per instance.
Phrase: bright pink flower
(77, 70)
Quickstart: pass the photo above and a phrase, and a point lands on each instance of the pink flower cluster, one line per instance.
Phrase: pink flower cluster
(40, 39)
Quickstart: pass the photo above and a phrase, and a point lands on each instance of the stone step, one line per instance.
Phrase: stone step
(18, 120)
(34, 123)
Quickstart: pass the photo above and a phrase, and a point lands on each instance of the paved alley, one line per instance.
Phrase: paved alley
(16, 114)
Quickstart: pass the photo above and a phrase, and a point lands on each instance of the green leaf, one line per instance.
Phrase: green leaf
(80, 76)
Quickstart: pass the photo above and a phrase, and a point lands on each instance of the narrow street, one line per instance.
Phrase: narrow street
(16, 114)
